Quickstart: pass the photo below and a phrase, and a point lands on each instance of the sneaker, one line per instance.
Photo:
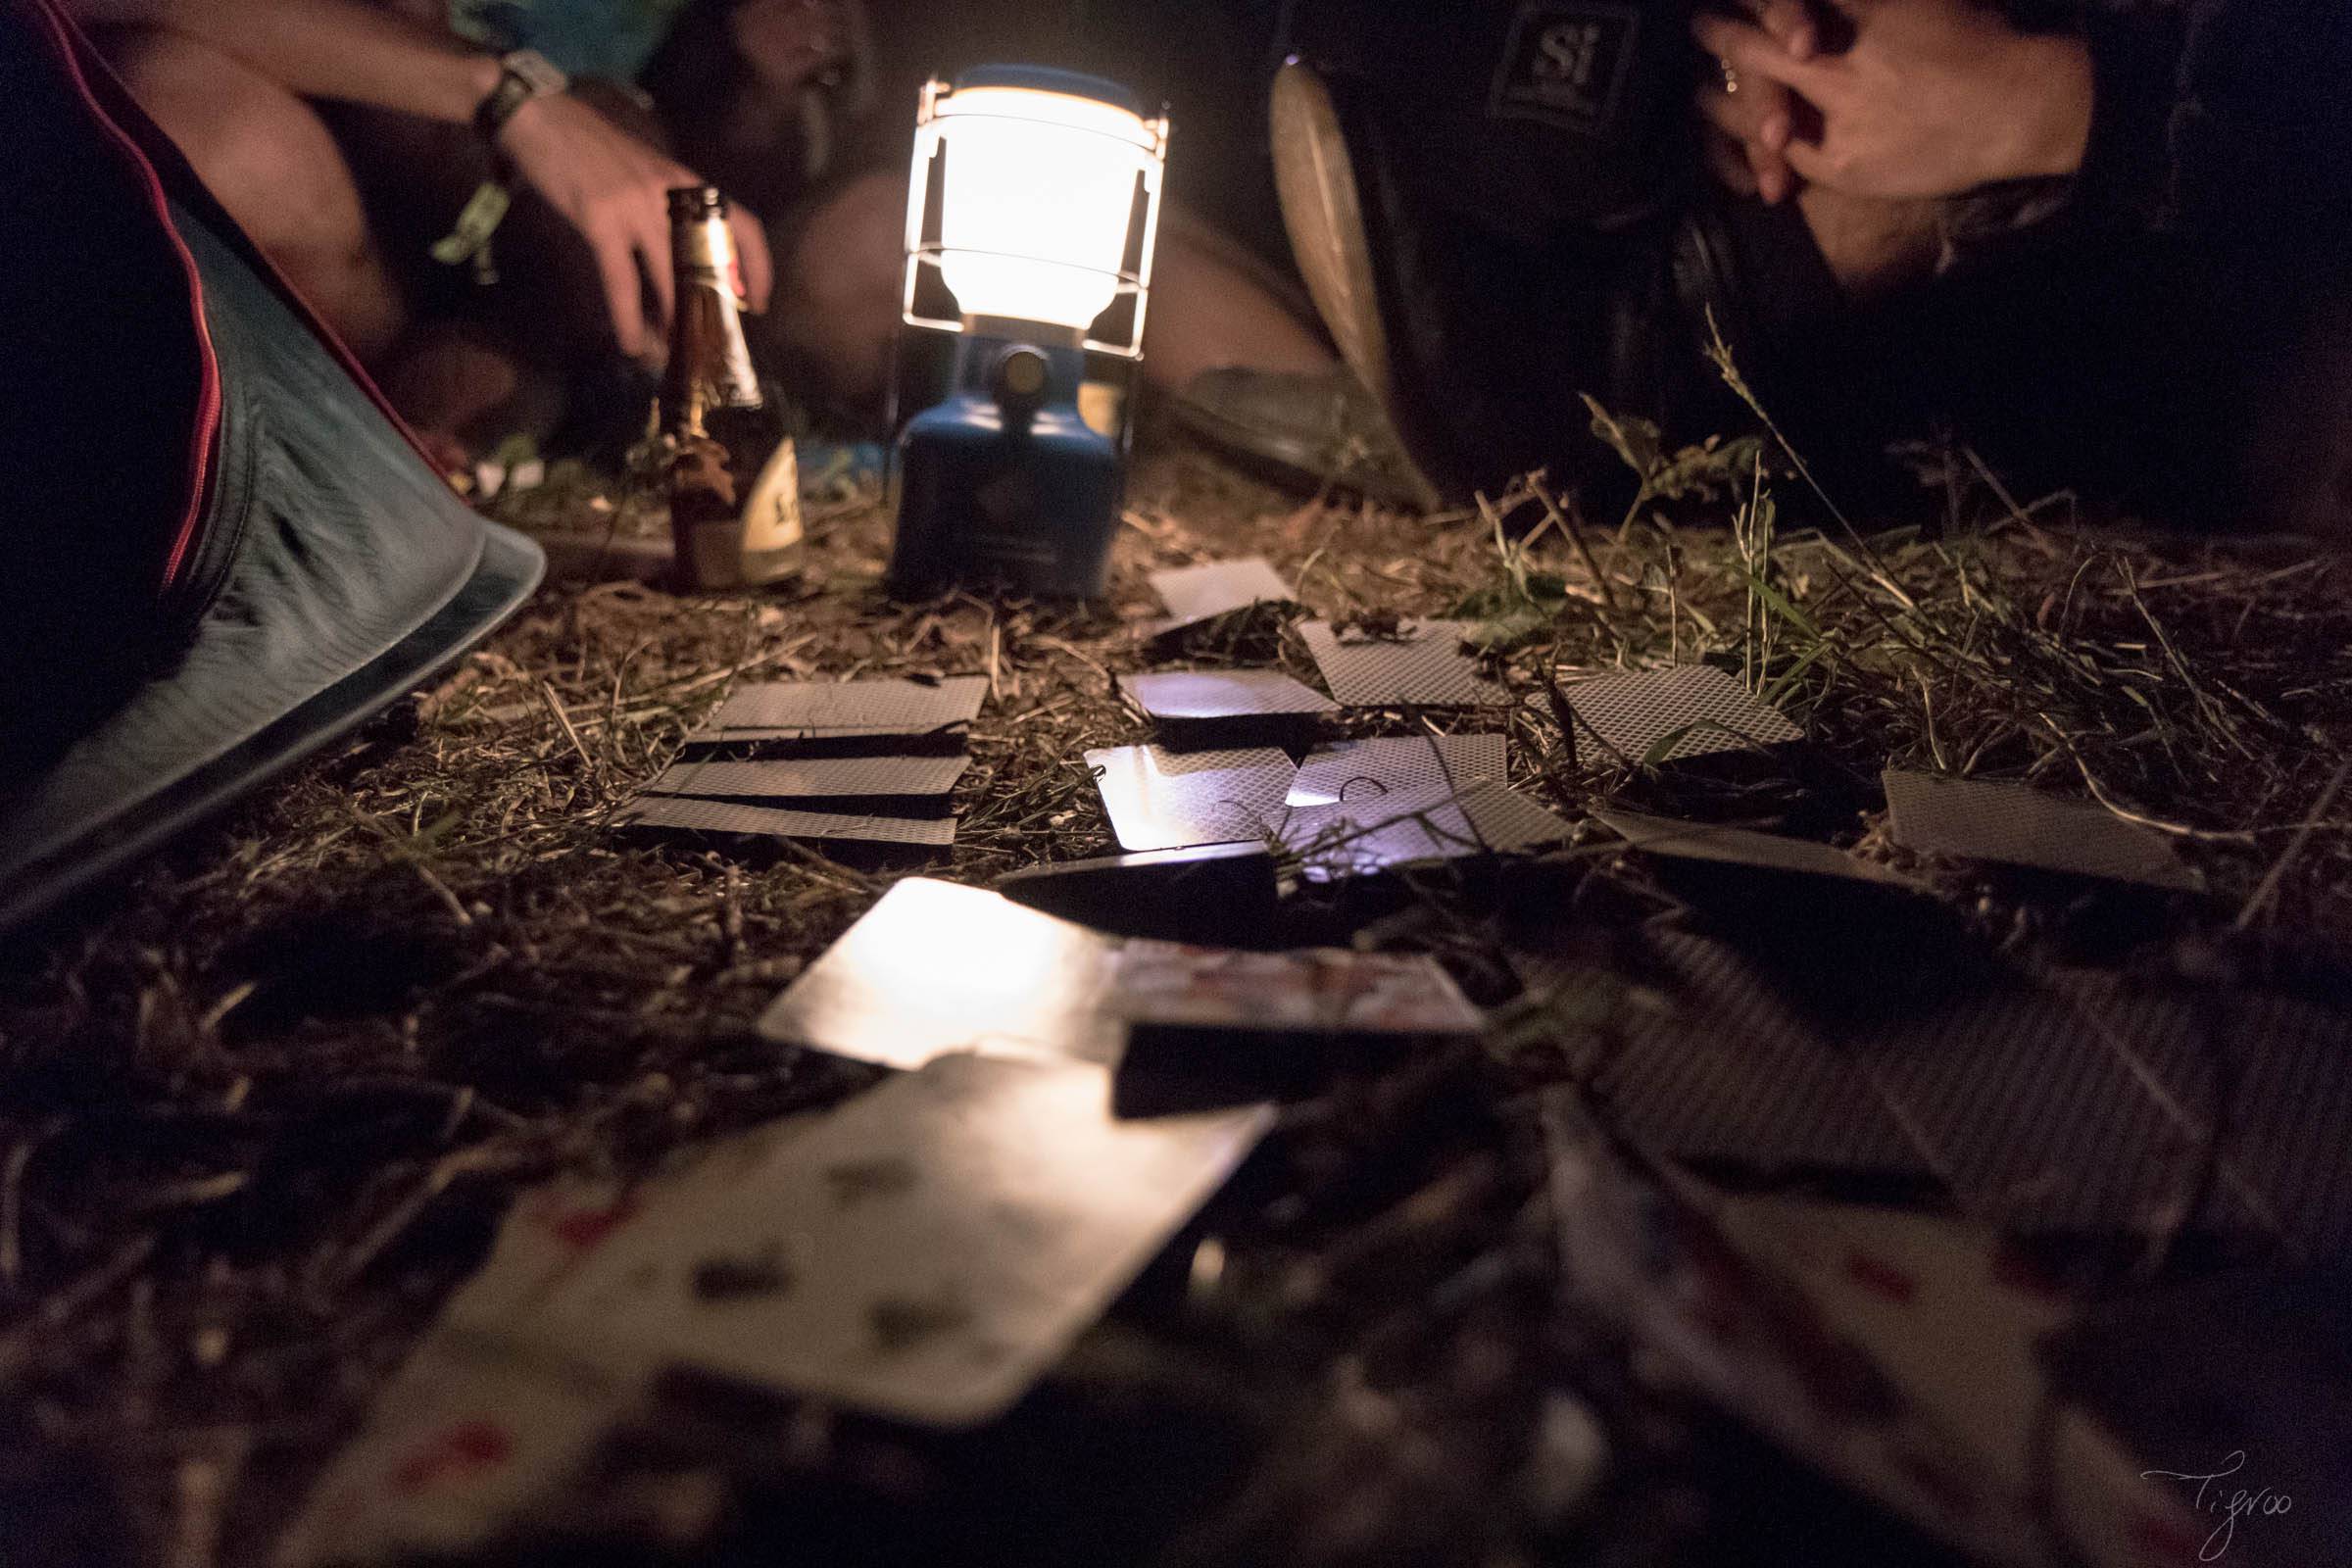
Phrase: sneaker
(1322, 212)
(1311, 431)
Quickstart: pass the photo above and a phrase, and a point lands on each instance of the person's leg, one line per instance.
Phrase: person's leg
(270, 161)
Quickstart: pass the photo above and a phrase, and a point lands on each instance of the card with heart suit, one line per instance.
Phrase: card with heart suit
(935, 968)
(1420, 665)
(1988, 819)
(1317, 991)
(1159, 799)
(491, 1418)
(926, 1251)
(1363, 771)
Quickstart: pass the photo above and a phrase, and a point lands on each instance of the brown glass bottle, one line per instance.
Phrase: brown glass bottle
(734, 488)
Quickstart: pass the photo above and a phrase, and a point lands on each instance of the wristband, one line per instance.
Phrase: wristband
(522, 76)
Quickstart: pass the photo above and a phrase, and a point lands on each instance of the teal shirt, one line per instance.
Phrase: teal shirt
(610, 39)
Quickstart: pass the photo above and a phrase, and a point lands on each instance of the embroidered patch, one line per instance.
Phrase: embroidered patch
(1566, 64)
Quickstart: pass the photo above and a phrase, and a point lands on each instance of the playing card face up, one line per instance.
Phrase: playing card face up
(1351, 839)
(808, 778)
(1421, 665)
(1983, 819)
(1364, 771)
(1328, 990)
(927, 1250)
(1165, 800)
(1210, 696)
(935, 968)
(1201, 593)
(1667, 716)
(466, 1437)
(817, 709)
(660, 815)
(1743, 846)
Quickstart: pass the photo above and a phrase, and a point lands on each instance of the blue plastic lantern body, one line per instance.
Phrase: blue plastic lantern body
(1005, 493)
(1001, 484)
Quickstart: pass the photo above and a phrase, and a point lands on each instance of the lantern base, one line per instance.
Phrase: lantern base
(1004, 486)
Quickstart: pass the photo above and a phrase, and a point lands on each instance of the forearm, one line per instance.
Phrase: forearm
(339, 49)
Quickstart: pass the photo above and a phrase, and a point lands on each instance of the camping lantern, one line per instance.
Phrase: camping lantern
(1031, 216)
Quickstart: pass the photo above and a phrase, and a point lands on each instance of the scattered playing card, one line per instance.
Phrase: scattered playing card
(1322, 991)
(1206, 698)
(1198, 593)
(1419, 665)
(926, 1251)
(935, 968)
(1357, 839)
(660, 815)
(1221, 893)
(818, 708)
(463, 1439)
(1365, 771)
(1666, 716)
(806, 778)
(1163, 799)
(1743, 846)
(1984, 820)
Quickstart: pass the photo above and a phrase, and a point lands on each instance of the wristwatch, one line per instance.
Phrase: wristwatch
(522, 76)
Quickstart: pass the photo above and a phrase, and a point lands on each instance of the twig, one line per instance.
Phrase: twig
(2267, 888)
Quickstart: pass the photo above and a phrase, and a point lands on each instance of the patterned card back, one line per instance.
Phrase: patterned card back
(1163, 799)
(1363, 771)
(1679, 712)
(1423, 665)
(1984, 820)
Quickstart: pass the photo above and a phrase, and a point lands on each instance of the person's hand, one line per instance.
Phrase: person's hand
(1749, 120)
(613, 190)
(1930, 98)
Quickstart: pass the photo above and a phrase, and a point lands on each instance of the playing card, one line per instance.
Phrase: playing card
(1365, 771)
(935, 968)
(1892, 1351)
(1357, 839)
(813, 779)
(1743, 846)
(465, 1438)
(1322, 991)
(661, 814)
(1159, 799)
(1221, 893)
(1986, 819)
(1420, 664)
(1650, 717)
(882, 706)
(1213, 696)
(927, 1250)
(492, 1417)
(1198, 593)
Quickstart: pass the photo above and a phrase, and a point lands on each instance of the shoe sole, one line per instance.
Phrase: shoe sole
(1323, 215)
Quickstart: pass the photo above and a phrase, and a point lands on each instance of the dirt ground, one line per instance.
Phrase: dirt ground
(261, 1108)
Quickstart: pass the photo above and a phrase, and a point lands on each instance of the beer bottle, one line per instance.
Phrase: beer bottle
(734, 488)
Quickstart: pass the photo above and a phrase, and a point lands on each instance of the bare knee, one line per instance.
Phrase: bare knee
(268, 159)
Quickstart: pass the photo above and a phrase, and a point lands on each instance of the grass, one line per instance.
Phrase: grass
(263, 1103)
